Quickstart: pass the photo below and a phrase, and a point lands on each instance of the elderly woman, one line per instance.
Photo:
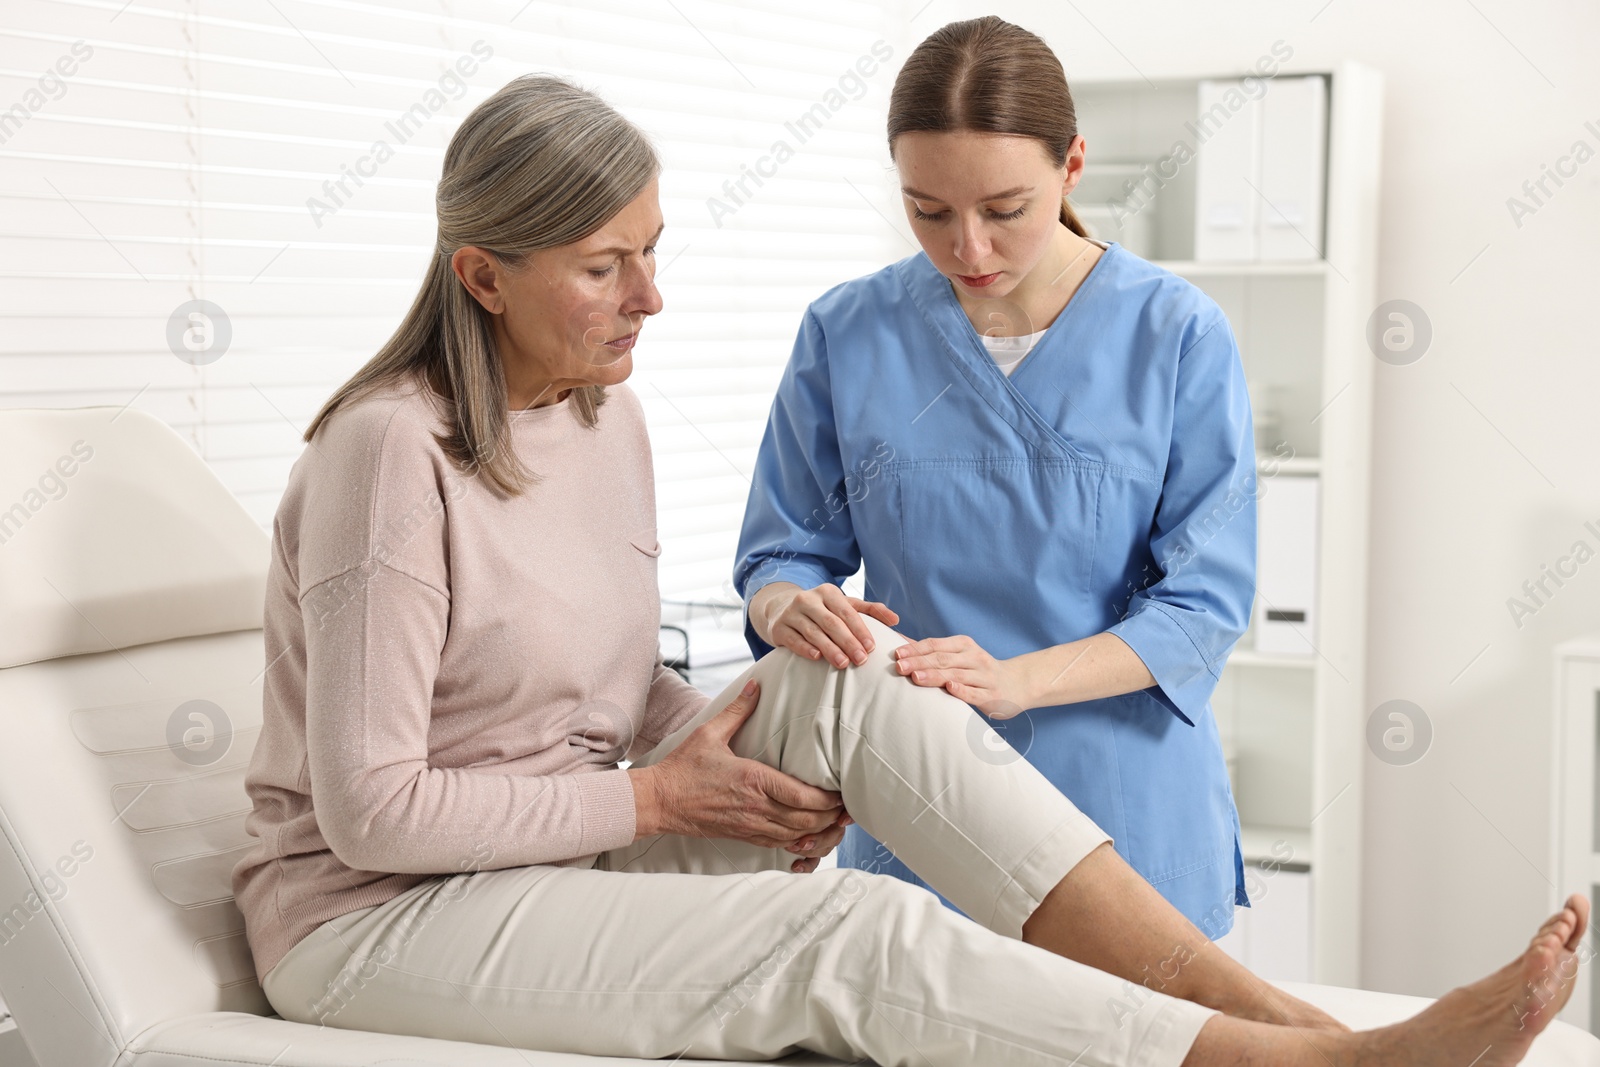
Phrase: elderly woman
(461, 627)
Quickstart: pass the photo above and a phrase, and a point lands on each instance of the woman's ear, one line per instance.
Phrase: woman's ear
(1072, 169)
(483, 275)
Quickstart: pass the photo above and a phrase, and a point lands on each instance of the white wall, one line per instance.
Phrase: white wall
(1485, 451)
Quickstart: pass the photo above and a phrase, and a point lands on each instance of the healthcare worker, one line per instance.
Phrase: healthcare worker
(1041, 448)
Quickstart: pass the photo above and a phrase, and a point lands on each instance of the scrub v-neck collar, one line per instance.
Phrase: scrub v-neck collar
(930, 291)
(934, 297)
(1050, 332)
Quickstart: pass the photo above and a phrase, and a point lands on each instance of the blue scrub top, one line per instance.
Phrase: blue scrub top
(1107, 484)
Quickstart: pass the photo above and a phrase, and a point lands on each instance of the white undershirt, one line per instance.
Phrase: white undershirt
(1007, 352)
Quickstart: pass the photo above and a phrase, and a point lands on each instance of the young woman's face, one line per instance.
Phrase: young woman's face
(985, 206)
(569, 316)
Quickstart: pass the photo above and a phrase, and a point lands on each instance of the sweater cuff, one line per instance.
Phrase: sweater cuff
(607, 808)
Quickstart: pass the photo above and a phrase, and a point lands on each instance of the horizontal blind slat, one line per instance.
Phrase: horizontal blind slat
(181, 159)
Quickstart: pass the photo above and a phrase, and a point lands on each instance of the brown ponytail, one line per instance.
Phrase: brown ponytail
(990, 76)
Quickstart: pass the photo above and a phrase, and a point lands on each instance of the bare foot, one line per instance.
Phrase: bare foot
(1491, 1022)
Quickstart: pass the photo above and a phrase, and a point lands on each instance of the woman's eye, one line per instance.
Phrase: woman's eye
(601, 273)
(935, 216)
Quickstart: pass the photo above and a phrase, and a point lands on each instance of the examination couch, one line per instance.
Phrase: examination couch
(131, 667)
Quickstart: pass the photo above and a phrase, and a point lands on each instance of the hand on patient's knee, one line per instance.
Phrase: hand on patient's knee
(702, 789)
(820, 623)
(1000, 688)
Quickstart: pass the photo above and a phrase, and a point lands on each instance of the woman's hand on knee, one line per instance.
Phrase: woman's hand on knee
(702, 789)
(820, 623)
(961, 667)
(812, 849)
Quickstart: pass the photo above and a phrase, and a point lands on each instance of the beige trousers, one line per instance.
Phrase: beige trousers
(703, 948)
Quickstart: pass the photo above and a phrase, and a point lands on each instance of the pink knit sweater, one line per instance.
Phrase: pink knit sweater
(454, 673)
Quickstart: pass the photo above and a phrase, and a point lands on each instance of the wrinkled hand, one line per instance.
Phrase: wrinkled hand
(812, 849)
(820, 622)
(961, 667)
(702, 789)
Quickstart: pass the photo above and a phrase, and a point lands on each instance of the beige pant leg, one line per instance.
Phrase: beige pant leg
(687, 947)
(918, 772)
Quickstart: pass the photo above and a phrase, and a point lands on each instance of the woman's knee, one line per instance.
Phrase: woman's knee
(882, 667)
(885, 638)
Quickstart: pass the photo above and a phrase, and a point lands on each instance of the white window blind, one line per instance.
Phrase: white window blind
(277, 159)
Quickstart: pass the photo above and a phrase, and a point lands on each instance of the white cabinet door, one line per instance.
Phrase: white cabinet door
(1272, 937)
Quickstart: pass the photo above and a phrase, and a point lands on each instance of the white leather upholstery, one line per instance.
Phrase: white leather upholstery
(130, 700)
(115, 533)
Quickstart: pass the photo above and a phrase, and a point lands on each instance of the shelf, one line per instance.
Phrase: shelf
(1190, 268)
(1296, 465)
(1249, 657)
(1586, 647)
(1256, 843)
(1124, 166)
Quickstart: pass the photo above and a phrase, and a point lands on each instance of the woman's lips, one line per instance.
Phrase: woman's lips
(622, 344)
(977, 281)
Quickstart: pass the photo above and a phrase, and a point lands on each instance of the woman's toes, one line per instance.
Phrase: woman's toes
(1547, 973)
(1579, 906)
(1563, 925)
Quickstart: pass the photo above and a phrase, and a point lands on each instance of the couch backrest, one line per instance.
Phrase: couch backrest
(132, 583)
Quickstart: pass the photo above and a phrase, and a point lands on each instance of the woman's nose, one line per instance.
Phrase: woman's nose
(972, 246)
(643, 297)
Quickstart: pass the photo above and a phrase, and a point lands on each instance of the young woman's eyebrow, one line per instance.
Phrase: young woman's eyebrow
(1007, 195)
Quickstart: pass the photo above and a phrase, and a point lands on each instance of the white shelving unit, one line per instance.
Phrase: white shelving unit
(1294, 724)
(1574, 801)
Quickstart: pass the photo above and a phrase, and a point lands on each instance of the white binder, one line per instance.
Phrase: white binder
(1226, 219)
(1286, 566)
(1259, 174)
(1293, 141)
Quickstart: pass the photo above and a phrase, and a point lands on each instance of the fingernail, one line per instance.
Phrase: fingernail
(861, 659)
(749, 687)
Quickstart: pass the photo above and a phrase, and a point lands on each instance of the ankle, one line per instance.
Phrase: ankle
(1216, 980)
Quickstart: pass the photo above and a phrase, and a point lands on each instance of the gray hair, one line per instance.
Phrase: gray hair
(540, 163)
